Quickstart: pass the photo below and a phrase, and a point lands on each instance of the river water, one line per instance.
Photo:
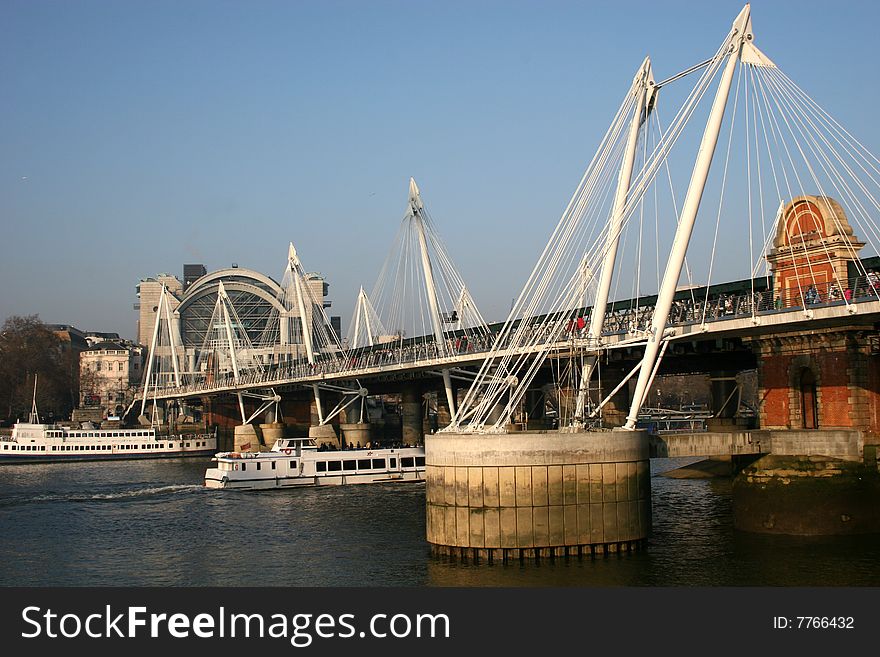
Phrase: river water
(152, 523)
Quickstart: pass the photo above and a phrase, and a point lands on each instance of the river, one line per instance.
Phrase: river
(152, 523)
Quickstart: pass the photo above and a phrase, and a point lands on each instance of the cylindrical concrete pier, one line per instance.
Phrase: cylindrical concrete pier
(246, 438)
(272, 432)
(537, 494)
(355, 434)
(324, 434)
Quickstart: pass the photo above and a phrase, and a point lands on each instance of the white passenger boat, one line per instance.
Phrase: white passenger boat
(294, 462)
(32, 442)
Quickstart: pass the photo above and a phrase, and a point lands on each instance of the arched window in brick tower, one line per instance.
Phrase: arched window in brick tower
(809, 401)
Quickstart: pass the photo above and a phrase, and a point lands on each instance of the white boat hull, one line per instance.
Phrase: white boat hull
(50, 443)
(295, 463)
(214, 479)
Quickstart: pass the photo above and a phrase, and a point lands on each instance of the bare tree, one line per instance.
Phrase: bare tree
(28, 349)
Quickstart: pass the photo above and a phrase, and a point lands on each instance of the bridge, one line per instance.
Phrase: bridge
(791, 203)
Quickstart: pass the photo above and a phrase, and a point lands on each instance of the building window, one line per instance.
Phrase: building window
(120, 366)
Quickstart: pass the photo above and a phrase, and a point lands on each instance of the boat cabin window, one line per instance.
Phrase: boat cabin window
(258, 465)
(349, 465)
(407, 462)
(273, 465)
(321, 466)
(244, 466)
(334, 466)
(420, 461)
(393, 463)
(378, 463)
(364, 464)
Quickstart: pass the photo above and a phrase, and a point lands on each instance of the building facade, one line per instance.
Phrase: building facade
(110, 372)
(148, 292)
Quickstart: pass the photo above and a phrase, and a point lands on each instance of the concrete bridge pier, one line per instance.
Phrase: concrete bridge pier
(444, 414)
(247, 438)
(323, 434)
(355, 433)
(812, 495)
(532, 495)
(819, 401)
(412, 414)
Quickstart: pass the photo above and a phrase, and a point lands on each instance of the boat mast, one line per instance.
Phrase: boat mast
(35, 416)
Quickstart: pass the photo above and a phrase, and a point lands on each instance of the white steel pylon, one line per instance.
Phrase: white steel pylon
(563, 277)
(741, 33)
(644, 80)
(466, 311)
(366, 327)
(415, 214)
(296, 290)
(166, 349)
(317, 335)
(228, 349)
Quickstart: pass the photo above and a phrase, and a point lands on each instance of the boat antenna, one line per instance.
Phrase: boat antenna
(35, 416)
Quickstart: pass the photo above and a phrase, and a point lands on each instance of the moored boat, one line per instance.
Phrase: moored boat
(295, 462)
(32, 442)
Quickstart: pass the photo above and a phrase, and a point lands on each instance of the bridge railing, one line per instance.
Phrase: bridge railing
(628, 321)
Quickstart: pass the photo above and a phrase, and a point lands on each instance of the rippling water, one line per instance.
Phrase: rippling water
(143, 523)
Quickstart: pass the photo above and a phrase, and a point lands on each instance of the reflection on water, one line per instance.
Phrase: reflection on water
(144, 523)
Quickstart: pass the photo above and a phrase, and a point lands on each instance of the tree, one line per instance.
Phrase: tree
(29, 351)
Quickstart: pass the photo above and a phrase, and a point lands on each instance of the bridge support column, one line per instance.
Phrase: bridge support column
(536, 421)
(615, 410)
(247, 438)
(533, 495)
(354, 433)
(323, 434)
(444, 415)
(820, 397)
(725, 401)
(412, 415)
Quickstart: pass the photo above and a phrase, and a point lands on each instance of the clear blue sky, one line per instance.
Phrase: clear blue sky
(136, 136)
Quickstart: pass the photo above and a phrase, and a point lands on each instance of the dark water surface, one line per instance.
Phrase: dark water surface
(143, 523)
